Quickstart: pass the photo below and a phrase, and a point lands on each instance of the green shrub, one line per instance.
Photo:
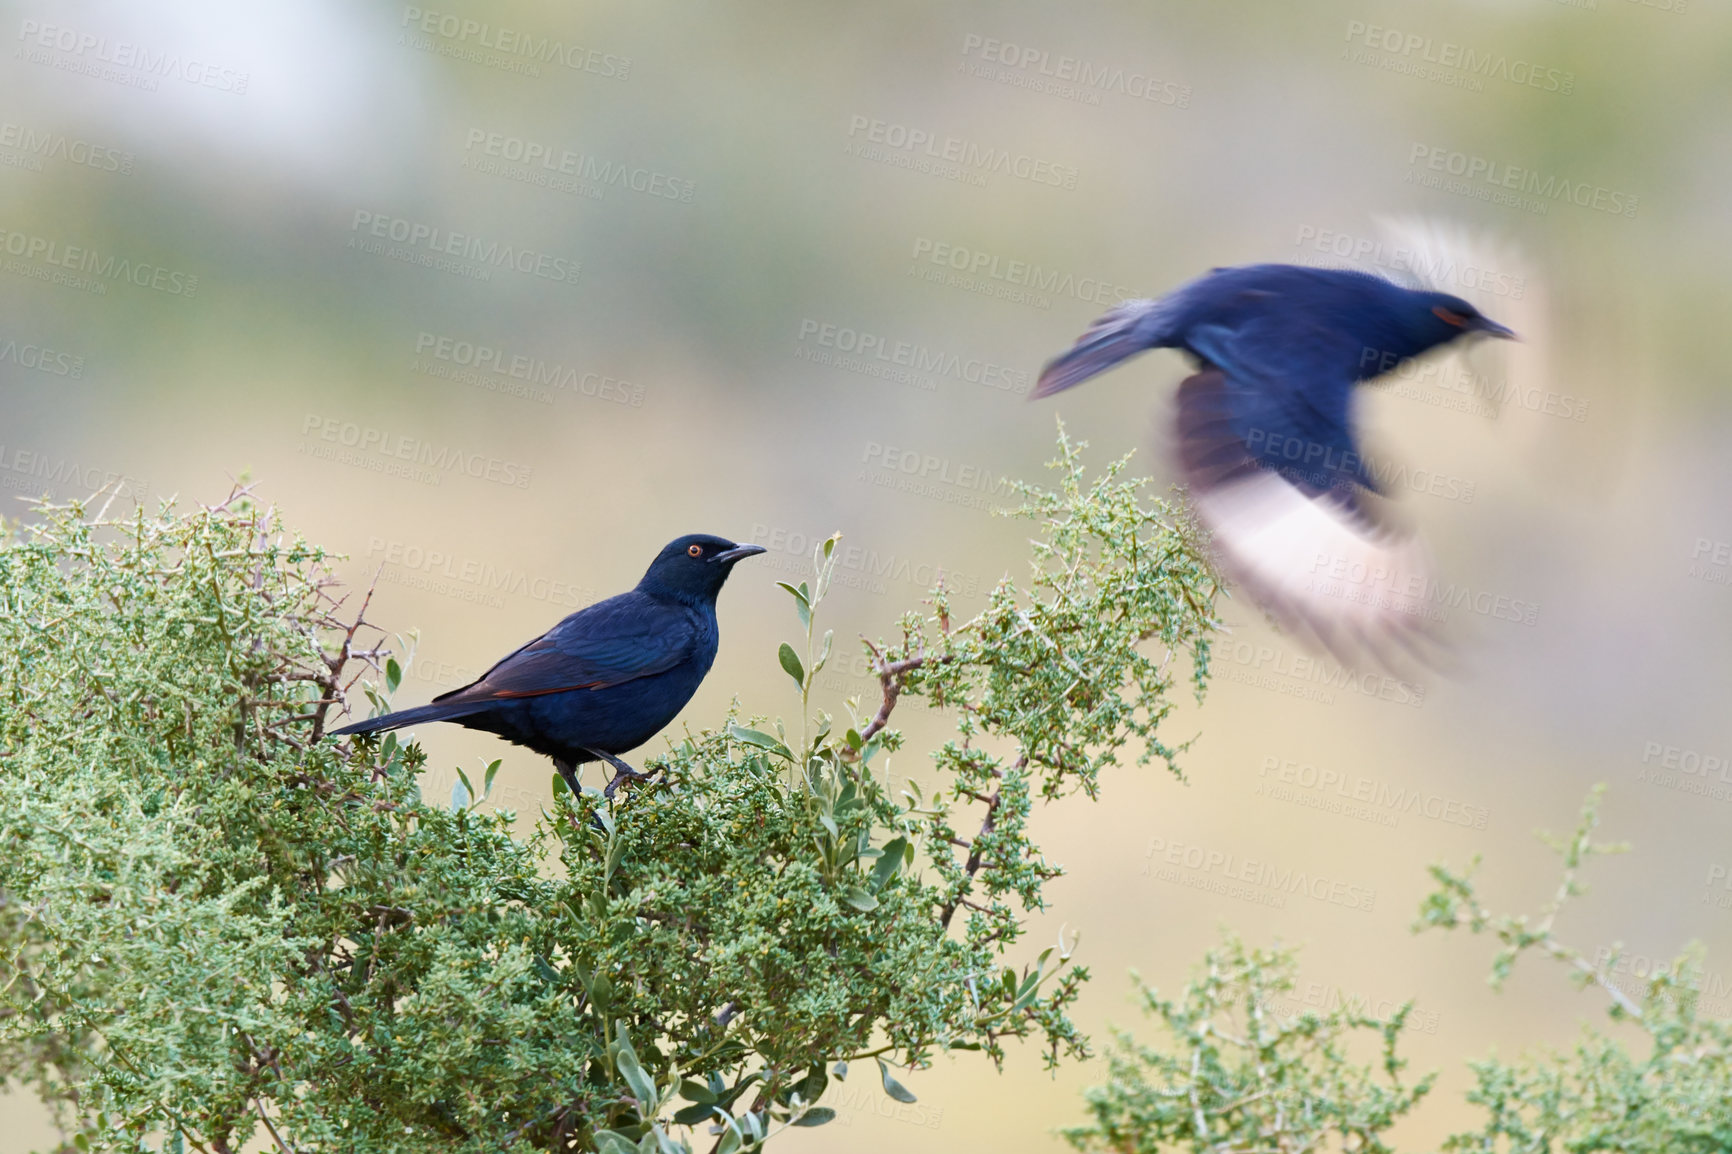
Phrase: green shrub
(1237, 1080)
(218, 928)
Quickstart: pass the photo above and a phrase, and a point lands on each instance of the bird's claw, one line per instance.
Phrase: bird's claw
(622, 772)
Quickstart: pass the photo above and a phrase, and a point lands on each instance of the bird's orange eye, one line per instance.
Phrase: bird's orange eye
(695, 550)
(1450, 318)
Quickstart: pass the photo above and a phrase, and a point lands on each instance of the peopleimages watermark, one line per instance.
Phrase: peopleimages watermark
(1481, 178)
(121, 62)
(87, 269)
(1446, 61)
(498, 46)
(35, 473)
(496, 369)
(566, 170)
(1631, 974)
(1711, 561)
(468, 578)
(858, 567)
(1412, 592)
(953, 157)
(1442, 270)
(1717, 890)
(1072, 78)
(443, 674)
(22, 146)
(398, 454)
(40, 358)
(1323, 464)
(1686, 770)
(1305, 676)
(1359, 797)
(1465, 390)
(864, 1098)
(1247, 879)
(1007, 278)
(933, 477)
(1313, 997)
(462, 254)
(911, 362)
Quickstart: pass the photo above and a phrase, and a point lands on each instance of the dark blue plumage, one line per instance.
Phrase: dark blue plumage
(1265, 433)
(607, 678)
(1291, 343)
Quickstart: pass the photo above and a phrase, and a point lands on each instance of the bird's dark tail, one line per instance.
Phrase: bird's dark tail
(1123, 333)
(447, 711)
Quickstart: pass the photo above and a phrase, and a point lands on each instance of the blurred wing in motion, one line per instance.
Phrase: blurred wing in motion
(1499, 279)
(1312, 554)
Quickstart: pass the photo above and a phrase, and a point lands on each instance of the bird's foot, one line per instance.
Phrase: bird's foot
(622, 772)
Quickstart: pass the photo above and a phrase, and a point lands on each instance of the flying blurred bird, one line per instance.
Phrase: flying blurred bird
(1265, 432)
(607, 678)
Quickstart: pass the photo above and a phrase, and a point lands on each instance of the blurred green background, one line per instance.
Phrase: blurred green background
(498, 299)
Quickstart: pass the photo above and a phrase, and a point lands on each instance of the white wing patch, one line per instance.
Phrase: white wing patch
(1318, 567)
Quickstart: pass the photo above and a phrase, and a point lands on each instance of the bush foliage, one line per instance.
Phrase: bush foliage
(220, 929)
(1235, 1079)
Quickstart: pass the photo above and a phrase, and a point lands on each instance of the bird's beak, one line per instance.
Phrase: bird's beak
(1492, 329)
(738, 552)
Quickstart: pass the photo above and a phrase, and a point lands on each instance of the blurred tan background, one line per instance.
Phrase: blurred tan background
(503, 297)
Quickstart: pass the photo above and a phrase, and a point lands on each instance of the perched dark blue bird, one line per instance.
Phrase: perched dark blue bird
(1265, 429)
(607, 678)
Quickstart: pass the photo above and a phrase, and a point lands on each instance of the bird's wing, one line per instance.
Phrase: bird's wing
(1316, 557)
(620, 639)
(1290, 411)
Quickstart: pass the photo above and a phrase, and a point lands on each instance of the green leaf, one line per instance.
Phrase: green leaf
(816, 1116)
(726, 1101)
(760, 740)
(888, 863)
(487, 778)
(730, 1140)
(813, 1085)
(802, 602)
(692, 1115)
(892, 1087)
(613, 1142)
(823, 651)
(459, 797)
(791, 664)
(858, 898)
(393, 675)
(695, 1091)
(643, 1087)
